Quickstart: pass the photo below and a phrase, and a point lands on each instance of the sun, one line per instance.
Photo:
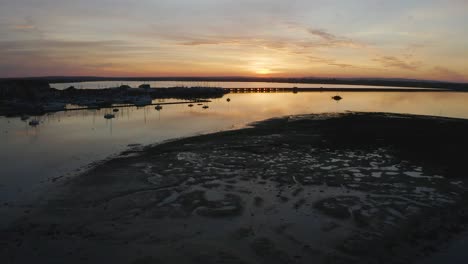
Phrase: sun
(263, 71)
(262, 65)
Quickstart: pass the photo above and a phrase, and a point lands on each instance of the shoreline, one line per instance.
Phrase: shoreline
(25, 97)
(309, 80)
(252, 182)
(100, 97)
(35, 97)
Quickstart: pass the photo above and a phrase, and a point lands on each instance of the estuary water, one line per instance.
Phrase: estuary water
(63, 142)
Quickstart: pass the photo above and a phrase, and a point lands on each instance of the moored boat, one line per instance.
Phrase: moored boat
(34, 123)
(109, 116)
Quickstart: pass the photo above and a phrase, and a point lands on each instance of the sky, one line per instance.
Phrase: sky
(421, 39)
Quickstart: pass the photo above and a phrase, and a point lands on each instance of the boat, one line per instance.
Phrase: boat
(199, 104)
(109, 116)
(24, 117)
(158, 107)
(34, 123)
(190, 105)
(115, 110)
(206, 107)
(337, 98)
(228, 100)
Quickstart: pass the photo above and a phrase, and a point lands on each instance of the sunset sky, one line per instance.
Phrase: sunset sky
(424, 39)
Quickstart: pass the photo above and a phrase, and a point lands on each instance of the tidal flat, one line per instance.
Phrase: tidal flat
(328, 188)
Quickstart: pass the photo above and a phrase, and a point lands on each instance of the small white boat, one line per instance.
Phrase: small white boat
(109, 116)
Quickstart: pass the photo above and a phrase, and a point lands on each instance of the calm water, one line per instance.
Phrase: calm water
(66, 141)
(98, 85)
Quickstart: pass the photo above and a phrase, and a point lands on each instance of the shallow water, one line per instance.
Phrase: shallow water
(66, 141)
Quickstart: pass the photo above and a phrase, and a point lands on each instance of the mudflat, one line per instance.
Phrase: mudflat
(330, 188)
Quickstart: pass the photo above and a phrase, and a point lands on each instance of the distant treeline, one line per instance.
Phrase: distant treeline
(363, 81)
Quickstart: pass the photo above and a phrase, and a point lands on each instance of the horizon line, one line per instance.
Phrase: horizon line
(242, 78)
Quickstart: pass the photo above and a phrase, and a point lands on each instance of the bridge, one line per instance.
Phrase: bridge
(261, 90)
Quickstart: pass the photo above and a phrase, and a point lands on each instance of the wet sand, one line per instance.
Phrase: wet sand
(337, 188)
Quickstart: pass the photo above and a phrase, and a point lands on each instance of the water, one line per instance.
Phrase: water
(66, 141)
(164, 84)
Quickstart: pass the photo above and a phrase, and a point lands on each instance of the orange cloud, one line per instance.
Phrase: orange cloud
(394, 62)
(448, 74)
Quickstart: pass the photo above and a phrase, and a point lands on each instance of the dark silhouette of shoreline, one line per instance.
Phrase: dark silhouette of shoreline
(395, 82)
(19, 97)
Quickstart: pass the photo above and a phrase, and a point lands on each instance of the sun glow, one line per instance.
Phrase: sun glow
(263, 71)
